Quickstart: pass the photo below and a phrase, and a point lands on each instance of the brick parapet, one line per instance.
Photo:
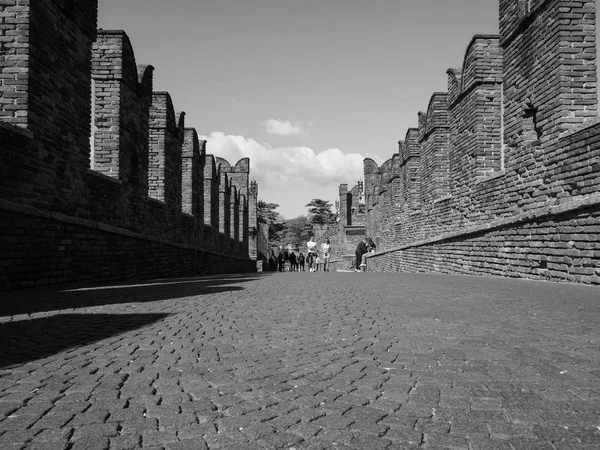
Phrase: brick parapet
(211, 193)
(553, 41)
(238, 177)
(166, 137)
(372, 181)
(14, 64)
(556, 243)
(570, 171)
(253, 225)
(192, 187)
(454, 84)
(476, 148)
(234, 230)
(123, 96)
(522, 147)
(434, 133)
(62, 249)
(47, 162)
(345, 215)
(224, 205)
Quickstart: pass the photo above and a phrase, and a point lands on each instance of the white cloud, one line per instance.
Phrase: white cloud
(283, 128)
(292, 171)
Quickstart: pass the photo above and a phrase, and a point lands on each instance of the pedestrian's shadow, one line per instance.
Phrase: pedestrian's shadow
(52, 299)
(27, 340)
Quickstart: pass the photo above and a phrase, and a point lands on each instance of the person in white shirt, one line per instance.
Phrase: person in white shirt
(312, 253)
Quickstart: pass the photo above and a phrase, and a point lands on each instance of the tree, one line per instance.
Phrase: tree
(298, 230)
(266, 212)
(320, 212)
(272, 219)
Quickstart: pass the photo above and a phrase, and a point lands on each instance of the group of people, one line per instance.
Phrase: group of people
(277, 261)
(318, 255)
(317, 258)
(364, 247)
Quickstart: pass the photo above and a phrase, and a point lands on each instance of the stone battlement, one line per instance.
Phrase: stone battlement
(100, 177)
(502, 173)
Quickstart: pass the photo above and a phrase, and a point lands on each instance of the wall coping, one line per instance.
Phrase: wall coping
(102, 176)
(443, 199)
(490, 177)
(92, 224)
(580, 202)
(14, 129)
(156, 201)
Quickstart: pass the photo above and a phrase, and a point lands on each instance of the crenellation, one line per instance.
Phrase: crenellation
(476, 120)
(434, 133)
(167, 131)
(14, 83)
(239, 177)
(211, 193)
(395, 180)
(121, 139)
(454, 84)
(523, 142)
(193, 158)
(234, 208)
(243, 222)
(540, 112)
(482, 62)
(91, 155)
(257, 241)
(371, 171)
(224, 204)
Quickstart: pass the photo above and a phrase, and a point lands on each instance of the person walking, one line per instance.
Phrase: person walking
(312, 253)
(280, 260)
(326, 254)
(293, 262)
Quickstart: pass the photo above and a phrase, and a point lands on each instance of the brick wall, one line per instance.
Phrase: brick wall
(506, 163)
(60, 250)
(238, 176)
(141, 182)
(192, 161)
(560, 246)
(253, 231)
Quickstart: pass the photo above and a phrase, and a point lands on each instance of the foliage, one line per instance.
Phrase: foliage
(298, 230)
(276, 233)
(320, 212)
(266, 212)
(268, 216)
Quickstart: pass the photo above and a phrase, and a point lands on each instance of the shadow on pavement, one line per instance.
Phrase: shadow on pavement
(26, 340)
(52, 299)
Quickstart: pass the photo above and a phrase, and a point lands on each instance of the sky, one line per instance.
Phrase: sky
(306, 88)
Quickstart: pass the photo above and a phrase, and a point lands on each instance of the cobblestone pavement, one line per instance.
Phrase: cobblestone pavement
(303, 361)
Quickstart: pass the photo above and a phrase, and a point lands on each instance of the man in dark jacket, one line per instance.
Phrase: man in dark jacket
(293, 262)
(361, 249)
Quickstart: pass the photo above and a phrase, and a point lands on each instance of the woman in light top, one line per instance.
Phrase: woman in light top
(312, 253)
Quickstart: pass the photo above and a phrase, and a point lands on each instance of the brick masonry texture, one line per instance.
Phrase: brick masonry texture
(502, 174)
(100, 178)
(347, 233)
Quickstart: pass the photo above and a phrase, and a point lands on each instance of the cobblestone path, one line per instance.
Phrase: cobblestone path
(303, 361)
